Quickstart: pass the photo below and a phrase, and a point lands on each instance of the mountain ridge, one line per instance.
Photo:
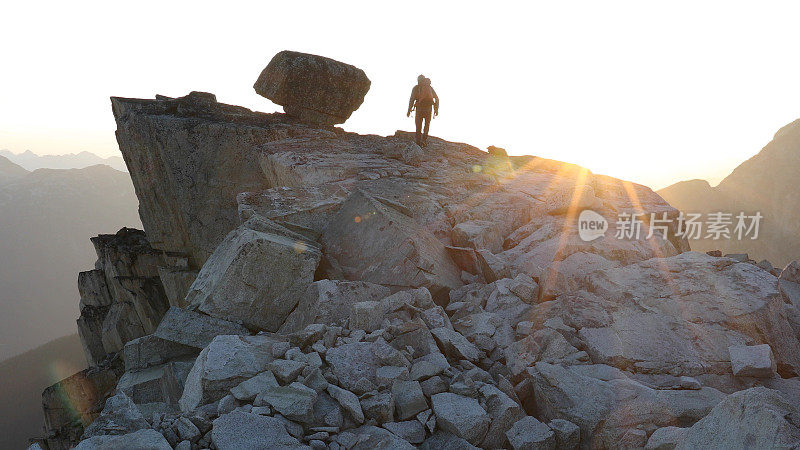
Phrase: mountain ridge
(763, 183)
(32, 161)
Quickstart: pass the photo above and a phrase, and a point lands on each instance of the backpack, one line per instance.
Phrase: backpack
(424, 93)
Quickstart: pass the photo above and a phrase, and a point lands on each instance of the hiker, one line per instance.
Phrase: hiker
(423, 97)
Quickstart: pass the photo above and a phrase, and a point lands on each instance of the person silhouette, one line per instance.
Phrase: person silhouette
(424, 98)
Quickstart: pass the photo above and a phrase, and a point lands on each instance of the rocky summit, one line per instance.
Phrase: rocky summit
(299, 286)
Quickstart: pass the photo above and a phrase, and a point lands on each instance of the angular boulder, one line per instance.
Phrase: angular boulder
(354, 361)
(331, 302)
(225, 363)
(313, 88)
(254, 278)
(752, 361)
(375, 243)
(462, 416)
(155, 385)
(529, 434)
(120, 416)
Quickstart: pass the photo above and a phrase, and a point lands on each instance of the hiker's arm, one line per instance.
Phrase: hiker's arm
(435, 102)
(411, 100)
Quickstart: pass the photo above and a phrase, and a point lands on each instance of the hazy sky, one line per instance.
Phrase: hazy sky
(653, 92)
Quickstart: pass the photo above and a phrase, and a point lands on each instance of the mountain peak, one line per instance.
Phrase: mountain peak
(9, 170)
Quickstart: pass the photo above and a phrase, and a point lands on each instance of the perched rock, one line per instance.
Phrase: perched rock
(313, 88)
(254, 278)
(752, 361)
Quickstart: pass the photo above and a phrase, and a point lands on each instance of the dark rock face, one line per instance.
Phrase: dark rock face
(313, 88)
(186, 182)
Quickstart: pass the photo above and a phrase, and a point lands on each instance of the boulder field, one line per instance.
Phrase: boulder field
(299, 286)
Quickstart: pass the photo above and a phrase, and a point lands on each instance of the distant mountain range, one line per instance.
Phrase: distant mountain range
(766, 184)
(24, 378)
(31, 161)
(46, 219)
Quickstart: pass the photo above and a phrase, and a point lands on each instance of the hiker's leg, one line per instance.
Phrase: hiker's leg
(418, 121)
(427, 126)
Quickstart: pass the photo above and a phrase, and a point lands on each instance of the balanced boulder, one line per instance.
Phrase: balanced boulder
(313, 88)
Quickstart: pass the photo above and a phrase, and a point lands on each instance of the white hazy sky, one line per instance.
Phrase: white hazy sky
(653, 92)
